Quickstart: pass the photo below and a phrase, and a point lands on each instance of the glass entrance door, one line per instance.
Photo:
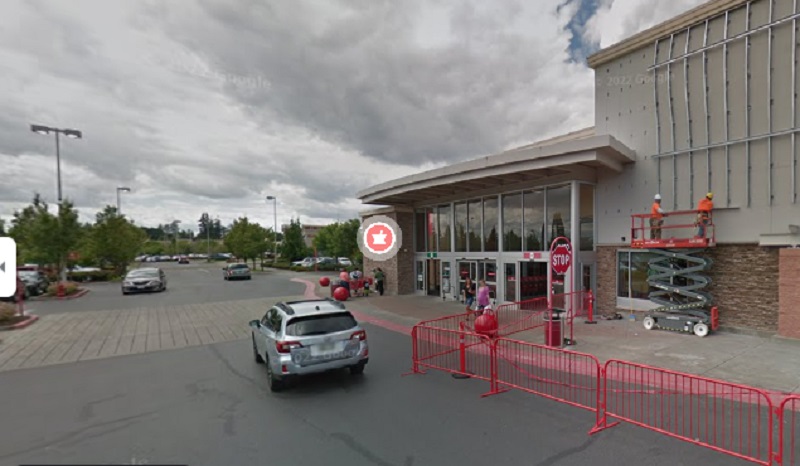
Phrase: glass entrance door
(487, 270)
(433, 273)
(511, 282)
(420, 271)
(532, 280)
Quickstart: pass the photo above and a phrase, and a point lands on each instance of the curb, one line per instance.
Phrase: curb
(30, 320)
(77, 295)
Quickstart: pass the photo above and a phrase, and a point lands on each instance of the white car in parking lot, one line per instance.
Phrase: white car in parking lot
(304, 337)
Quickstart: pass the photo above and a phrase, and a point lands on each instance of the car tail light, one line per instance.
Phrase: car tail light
(287, 346)
(360, 335)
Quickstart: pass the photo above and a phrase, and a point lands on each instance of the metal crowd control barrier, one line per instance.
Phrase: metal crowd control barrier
(729, 418)
(788, 453)
(561, 375)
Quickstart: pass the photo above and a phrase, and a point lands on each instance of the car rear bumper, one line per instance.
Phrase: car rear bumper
(239, 277)
(136, 289)
(287, 368)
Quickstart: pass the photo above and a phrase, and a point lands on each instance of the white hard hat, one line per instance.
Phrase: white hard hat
(658, 197)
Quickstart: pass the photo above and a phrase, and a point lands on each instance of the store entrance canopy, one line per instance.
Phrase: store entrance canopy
(578, 154)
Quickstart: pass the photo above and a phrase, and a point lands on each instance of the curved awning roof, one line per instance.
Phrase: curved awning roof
(572, 153)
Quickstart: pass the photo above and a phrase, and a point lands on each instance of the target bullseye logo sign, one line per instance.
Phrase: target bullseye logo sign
(379, 238)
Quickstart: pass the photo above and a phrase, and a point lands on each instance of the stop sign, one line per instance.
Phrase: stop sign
(561, 259)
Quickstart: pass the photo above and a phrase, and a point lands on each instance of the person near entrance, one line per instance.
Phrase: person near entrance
(657, 215)
(704, 208)
(469, 292)
(483, 296)
(379, 277)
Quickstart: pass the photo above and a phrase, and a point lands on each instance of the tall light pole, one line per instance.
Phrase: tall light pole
(119, 201)
(275, 227)
(175, 224)
(72, 134)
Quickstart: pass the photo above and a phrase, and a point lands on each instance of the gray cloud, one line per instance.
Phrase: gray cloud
(210, 105)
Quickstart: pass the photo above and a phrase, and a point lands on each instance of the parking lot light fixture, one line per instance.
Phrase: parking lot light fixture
(72, 134)
(274, 228)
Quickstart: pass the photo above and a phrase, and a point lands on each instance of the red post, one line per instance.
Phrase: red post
(60, 290)
(462, 351)
(590, 310)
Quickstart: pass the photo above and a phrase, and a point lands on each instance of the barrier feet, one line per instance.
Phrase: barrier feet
(602, 425)
(495, 391)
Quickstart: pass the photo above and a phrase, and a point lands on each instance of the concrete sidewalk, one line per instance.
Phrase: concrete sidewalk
(770, 363)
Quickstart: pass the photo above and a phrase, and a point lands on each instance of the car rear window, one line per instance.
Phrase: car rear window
(320, 325)
(238, 266)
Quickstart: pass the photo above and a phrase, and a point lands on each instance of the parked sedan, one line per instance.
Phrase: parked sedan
(146, 279)
(237, 272)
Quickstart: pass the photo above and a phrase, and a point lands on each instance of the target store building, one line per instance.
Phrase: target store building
(704, 102)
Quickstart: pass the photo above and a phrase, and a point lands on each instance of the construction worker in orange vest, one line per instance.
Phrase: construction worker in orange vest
(656, 218)
(704, 208)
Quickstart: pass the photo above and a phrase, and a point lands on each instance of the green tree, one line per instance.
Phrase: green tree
(2, 227)
(246, 240)
(293, 247)
(339, 239)
(115, 240)
(45, 238)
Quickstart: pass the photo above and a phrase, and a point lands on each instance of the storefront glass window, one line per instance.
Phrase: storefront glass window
(444, 228)
(558, 213)
(420, 223)
(512, 222)
(490, 224)
(475, 212)
(433, 232)
(587, 217)
(632, 273)
(533, 220)
(461, 227)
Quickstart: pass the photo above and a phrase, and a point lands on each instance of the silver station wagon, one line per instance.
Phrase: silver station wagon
(305, 337)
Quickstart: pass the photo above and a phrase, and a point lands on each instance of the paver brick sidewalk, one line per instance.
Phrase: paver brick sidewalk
(769, 363)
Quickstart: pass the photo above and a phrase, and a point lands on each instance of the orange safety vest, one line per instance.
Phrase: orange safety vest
(705, 205)
(655, 211)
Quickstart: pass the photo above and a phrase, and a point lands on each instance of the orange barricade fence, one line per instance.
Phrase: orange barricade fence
(788, 417)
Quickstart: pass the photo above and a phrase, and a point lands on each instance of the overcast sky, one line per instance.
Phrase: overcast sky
(211, 105)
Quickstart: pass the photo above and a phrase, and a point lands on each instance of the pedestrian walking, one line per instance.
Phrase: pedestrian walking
(469, 292)
(483, 296)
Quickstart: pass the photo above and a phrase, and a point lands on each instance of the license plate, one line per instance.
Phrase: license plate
(323, 348)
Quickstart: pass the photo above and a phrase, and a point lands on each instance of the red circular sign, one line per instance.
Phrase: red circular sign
(379, 238)
(561, 259)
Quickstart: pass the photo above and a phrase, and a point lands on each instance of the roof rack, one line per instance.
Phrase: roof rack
(286, 308)
(336, 303)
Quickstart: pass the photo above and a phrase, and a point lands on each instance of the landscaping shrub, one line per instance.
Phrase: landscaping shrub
(8, 315)
(70, 288)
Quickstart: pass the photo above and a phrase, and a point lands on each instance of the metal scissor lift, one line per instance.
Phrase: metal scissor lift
(678, 274)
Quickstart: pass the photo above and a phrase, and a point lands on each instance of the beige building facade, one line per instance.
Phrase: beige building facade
(705, 102)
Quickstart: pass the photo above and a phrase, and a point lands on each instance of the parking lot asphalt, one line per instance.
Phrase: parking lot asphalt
(195, 283)
(209, 405)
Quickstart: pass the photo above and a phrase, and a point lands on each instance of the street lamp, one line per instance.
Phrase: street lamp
(72, 134)
(275, 227)
(119, 203)
(175, 224)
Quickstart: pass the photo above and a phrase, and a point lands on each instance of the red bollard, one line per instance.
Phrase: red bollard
(462, 356)
(60, 290)
(590, 311)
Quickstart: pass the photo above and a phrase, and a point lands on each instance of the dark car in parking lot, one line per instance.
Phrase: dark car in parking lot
(36, 282)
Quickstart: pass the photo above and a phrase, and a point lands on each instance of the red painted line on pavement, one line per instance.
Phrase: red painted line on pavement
(310, 293)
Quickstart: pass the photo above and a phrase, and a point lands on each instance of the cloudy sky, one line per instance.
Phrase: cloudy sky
(211, 105)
